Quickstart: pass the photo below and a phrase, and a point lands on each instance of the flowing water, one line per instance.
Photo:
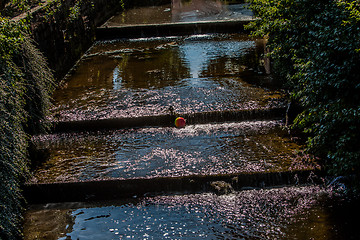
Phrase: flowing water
(206, 149)
(309, 212)
(189, 74)
(140, 77)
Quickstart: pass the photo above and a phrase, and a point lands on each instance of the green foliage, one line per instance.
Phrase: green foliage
(11, 37)
(25, 87)
(75, 11)
(51, 9)
(315, 50)
(16, 7)
(122, 5)
(12, 144)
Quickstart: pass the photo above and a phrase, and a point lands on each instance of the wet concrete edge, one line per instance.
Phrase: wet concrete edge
(110, 189)
(168, 120)
(171, 29)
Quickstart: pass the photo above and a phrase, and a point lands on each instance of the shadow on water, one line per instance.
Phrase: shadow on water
(140, 77)
(303, 212)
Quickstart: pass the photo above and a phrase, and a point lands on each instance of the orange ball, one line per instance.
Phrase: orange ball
(180, 122)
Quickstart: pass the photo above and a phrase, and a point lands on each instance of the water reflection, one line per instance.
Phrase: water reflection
(49, 224)
(151, 152)
(183, 11)
(146, 77)
(199, 55)
(278, 213)
(194, 10)
(153, 68)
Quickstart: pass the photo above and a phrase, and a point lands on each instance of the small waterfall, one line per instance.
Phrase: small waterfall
(168, 120)
(83, 191)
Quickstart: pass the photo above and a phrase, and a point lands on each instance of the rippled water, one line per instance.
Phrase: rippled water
(146, 76)
(182, 11)
(255, 146)
(281, 213)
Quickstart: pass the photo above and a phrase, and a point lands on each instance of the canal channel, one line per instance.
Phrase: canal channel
(116, 167)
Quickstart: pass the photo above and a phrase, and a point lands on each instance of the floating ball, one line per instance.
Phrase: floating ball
(180, 122)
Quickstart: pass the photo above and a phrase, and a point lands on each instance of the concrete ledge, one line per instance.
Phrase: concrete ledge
(83, 191)
(171, 29)
(168, 120)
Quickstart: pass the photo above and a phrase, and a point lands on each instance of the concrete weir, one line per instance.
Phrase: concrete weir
(110, 189)
(171, 29)
(168, 120)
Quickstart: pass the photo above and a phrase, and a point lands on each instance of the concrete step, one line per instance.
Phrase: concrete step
(168, 120)
(110, 189)
(171, 29)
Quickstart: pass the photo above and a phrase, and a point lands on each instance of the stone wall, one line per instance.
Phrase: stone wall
(65, 29)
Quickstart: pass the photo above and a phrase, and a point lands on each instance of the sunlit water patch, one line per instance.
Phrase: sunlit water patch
(282, 213)
(226, 148)
(148, 76)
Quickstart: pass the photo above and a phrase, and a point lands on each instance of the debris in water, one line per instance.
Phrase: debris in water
(221, 187)
(180, 122)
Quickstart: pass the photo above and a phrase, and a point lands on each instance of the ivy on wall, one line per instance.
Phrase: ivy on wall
(26, 84)
(315, 50)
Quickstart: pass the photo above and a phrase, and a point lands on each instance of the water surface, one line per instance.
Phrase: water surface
(148, 76)
(255, 146)
(309, 212)
(182, 11)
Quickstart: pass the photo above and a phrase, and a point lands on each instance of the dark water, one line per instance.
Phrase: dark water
(182, 11)
(255, 146)
(146, 76)
(309, 212)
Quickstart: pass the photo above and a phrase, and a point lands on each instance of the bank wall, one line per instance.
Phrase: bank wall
(65, 29)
